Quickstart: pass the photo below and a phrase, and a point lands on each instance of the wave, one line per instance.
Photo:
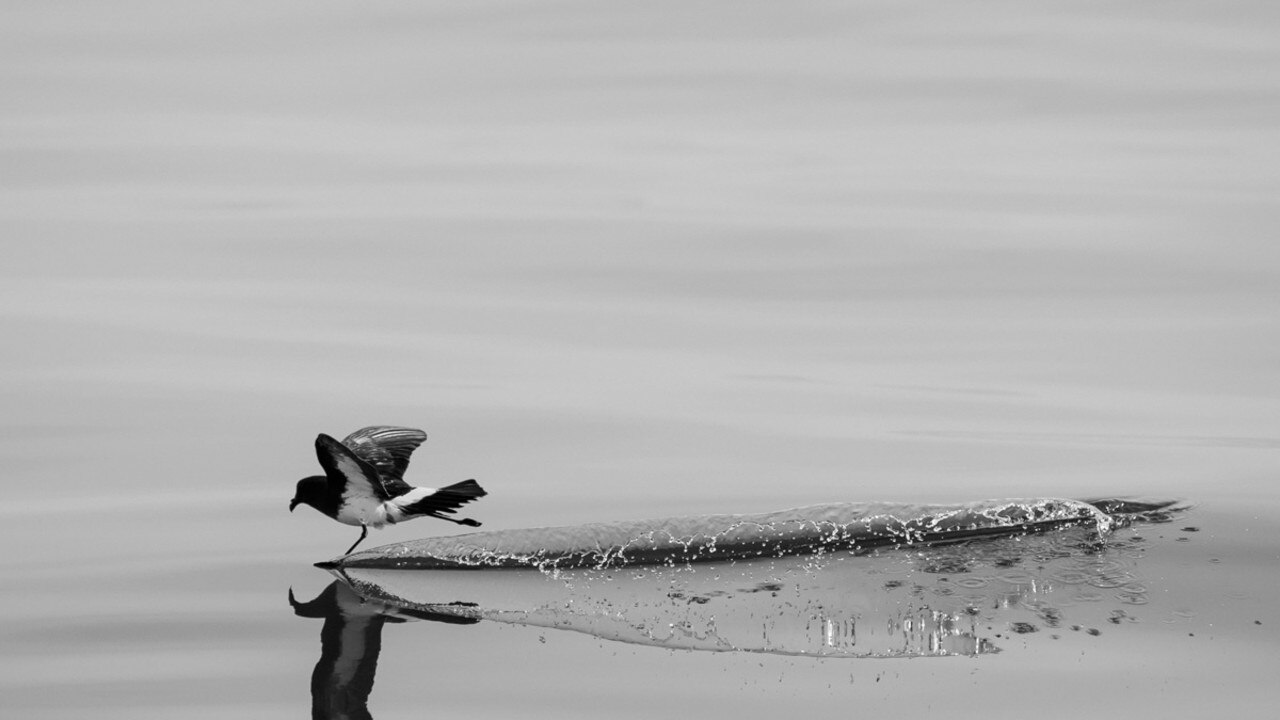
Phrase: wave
(909, 584)
(849, 527)
(961, 599)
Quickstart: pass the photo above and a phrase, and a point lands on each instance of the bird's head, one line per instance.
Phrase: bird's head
(310, 490)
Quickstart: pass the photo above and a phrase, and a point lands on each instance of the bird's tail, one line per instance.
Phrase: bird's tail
(468, 489)
(447, 500)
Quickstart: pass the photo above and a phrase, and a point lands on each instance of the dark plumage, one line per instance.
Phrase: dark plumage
(364, 485)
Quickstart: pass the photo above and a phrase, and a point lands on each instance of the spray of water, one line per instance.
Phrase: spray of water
(840, 527)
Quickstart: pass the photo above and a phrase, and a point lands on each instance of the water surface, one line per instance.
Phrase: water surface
(667, 259)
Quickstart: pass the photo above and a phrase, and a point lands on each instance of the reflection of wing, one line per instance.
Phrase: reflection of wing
(386, 448)
(359, 479)
(349, 645)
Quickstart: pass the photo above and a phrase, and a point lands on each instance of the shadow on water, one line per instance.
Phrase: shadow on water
(963, 598)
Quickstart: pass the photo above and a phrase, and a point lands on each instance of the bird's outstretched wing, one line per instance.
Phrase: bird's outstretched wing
(355, 477)
(387, 449)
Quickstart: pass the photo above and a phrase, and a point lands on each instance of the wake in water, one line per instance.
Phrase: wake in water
(854, 527)
(841, 581)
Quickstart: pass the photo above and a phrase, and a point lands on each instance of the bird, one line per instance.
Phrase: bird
(363, 482)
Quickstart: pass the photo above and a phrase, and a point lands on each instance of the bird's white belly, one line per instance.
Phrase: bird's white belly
(368, 511)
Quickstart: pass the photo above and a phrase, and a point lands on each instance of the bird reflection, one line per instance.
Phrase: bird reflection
(349, 645)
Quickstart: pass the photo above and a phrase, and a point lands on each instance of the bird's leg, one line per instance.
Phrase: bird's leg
(465, 521)
(364, 530)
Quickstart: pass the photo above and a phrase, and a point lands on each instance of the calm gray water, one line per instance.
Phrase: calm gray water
(620, 262)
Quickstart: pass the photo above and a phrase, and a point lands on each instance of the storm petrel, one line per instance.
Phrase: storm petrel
(363, 482)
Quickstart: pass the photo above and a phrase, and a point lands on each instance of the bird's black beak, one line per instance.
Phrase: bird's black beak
(293, 504)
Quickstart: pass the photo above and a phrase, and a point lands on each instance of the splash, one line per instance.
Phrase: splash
(842, 527)
(850, 580)
(959, 599)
